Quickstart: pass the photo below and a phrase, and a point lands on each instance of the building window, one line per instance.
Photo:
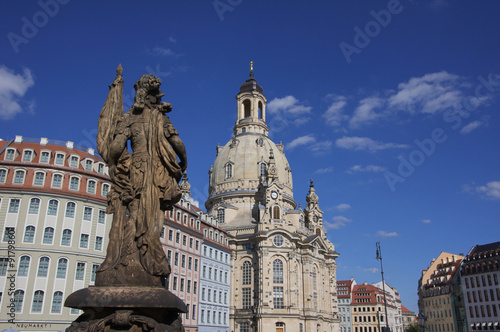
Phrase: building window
(221, 216)
(19, 177)
(59, 159)
(39, 179)
(278, 240)
(246, 297)
(80, 271)
(53, 204)
(100, 168)
(195, 287)
(4, 262)
(48, 235)
(98, 243)
(247, 273)
(277, 271)
(276, 212)
(3, 175)
(184, 240)
(197, 245)
(73, 161)
(66, 237)
(181, 287)
(70, 210)
(228, 171)
(170, 235)
(10, 154)
(88, 165)
(263, 170)
(84, 241)
(196, 264)
(94, 271)
(9, 234)
(174, 284)
(34, 206)
(191, 243)
(190, 262)
(24, 266)
(87, 213)
(37, 304)
(176, 259)
(91, 187)
(74, 183)
(188, 289)
(105, 190)
(43, 266)
(57, 181)
(278, 297)
(45, 157)
(62, 265)
(27, 155)
(57, 303)
(314, 279)
(29, 234)
(177, 237)
(14, 205)
(18, 300)
(102, 216)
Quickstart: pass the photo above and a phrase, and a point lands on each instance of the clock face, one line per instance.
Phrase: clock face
(274, 195)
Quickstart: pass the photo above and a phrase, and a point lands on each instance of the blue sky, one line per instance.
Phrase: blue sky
(390, 106)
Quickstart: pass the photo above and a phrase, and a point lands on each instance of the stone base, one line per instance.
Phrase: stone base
(134, 309)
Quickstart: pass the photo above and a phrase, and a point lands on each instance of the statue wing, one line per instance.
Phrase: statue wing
(111, 112)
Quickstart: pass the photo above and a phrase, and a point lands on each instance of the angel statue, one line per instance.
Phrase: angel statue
(145, 181)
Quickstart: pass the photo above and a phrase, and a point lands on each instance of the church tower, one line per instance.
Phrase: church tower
(283, 275)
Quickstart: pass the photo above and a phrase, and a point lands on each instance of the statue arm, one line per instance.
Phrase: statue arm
(179, 149)
(118, 145)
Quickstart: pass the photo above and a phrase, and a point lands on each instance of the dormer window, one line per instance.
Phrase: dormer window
(27, 155)
(10, 154)
(3, 175)
(19, 177)
(91, 187)
(57, 181)
(73, 161)
(100, 168)
(88, 165)
(45, 157)
(59, 159)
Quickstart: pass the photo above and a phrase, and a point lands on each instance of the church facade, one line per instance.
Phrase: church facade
(283, 275)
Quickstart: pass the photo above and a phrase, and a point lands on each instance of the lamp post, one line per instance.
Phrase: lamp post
(379, 258)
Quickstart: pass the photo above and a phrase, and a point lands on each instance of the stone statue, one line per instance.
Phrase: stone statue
(129, 293)
(145, 182)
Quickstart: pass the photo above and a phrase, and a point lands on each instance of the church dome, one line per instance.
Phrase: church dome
(251, 85)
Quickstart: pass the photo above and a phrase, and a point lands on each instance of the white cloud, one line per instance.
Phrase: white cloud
(324, 170)
(426, 221)
(338, 222)
(372, 270)
(303, 140)
(172, 39)
(321, 147)
(334, 114)
(470, 127)
(365, 143)
(343, 207)
(12, 87)
(367, 168)
(491, 190)
(387, 234)
(428, 94)
(365, 112)
(161, 51)
(289, 105)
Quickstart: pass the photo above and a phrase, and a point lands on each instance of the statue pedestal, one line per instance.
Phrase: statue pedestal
(126, 308)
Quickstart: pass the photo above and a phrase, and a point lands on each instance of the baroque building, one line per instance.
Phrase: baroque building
(283, 275)
(480, 276)
(54, 229)
(344, 292)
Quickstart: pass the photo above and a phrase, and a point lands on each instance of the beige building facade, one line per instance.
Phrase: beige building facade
(283, 275)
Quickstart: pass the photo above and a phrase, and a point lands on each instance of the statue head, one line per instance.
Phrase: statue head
(148, 86)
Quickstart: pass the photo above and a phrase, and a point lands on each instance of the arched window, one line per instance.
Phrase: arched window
(314, 279)
(260, 110)
(29, 234)
(48, 235)
(277, 271)
(53, 204)
(43, 267)
(247, 273)
(39, 179)
(66, 237)
(19, 177)
(276, 212)
(18, 300)
(221, 215)
(263, 169)
(105, 190)
(37, 301)
(91, 184)
(74, 183)
(70, 210)
(62, 265)
(3, 175)
(229, 171)
(24, 266)
(57, 181)
(247, 108)
(34, 206)
(57, 302)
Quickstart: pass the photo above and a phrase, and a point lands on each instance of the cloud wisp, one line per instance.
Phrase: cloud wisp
(366, 143)
(13, 87)
(338, 222)
(387, 234)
